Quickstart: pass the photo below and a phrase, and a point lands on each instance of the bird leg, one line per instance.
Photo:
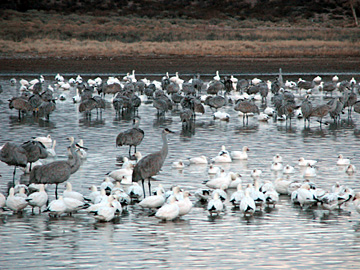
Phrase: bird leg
(14, 176)
(149, 188)
(142, 181)
(56, 191)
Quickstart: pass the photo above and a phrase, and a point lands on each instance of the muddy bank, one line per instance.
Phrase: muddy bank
(186, 65)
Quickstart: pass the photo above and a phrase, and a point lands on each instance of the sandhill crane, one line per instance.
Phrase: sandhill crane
(151, 164)
(246, 107)
(58, 171)
(306, 109)
(131, 137)
(13, 155)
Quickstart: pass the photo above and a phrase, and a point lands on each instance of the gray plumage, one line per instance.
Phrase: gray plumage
(215, 102)
(246, 107)
(151, 164)
(306, 109)
(46, 108)
(131, 137)
(215, 87)
(58, 171)
(21, 104)
(13, 155)
(35, 150)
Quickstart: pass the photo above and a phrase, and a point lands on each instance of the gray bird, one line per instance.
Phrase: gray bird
(58, 171)
(13, 155)
(151, 164)
(35, 150)
(131, 137)
(306, 109)
(246, 107)
(21, 104)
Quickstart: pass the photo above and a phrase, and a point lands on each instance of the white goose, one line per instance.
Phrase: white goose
(305, 196)
(342, 161)
(56, 207)
(356, 202)
(215, 205)
(135, 191)
(288, 169)
(46, 141)
(15, 203)
(237, 196)
(185, 205)
(310, 171)
(38, 199)
(247, 205)
(240, 155)
(277, 159)
(198, 160)
(153, 201)
(2, 200)
(178, 165)
(69, 193)
(213, 169)
(168, 211)
(119, 173)
(106, 212)
(51, 151)
(94, 195)
(276, 166)
(281, 186)
(217, 76)
(305, 162)
(223, 158)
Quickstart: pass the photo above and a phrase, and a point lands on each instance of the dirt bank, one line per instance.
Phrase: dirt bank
(186, 65)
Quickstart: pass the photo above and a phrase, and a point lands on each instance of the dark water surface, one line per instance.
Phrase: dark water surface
(286, 237)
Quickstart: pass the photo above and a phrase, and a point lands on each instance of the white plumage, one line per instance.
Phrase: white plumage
(168, 211)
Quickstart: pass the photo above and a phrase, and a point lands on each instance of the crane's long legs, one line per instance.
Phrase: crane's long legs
(56, 191)
(149, 187)
(142, 181)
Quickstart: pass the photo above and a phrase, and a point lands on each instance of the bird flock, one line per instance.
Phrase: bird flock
(278, 99)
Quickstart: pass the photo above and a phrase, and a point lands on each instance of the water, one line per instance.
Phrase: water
(285, 237)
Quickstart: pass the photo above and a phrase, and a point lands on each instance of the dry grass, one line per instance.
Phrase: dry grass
(41, 34)
(76, 48)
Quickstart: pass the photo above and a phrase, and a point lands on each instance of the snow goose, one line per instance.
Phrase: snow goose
(221, 178)
(76, 98)
(263, 117)
(107, 185)
(305, 196)
(46, 141)
(269, 111)
(247, 205)
(185, 204)
(217, 76)
(81, 149)
(178, 165)
(276, 166)
(342, 161)
(345, 196)
(222, 192)
(119, 173)
(235, 180)
(335, 79)
(329, 201)
(203, 195)
(256, 173)
(74, 205)
(168, 211)
(305, 162)
(153, 201)
(198, 160)
(176, 79)
(159, 187)
(56, 207)
(271, 197)
(223, 116)
(240, 155)
(15, 203)
(2, 200)
(256, 194)
(288, 169)
(281, 186)
(175, 192)
(293, 186)
(106, 212)
(277, 158)
(350, 169)
(69, 193)
(237, 196)
(135, 192)
(215, 205)
(223, 158)
(51, 151)
(223, 151)
(214, 169)
(94, 195)
(38, 199)
(310, 171)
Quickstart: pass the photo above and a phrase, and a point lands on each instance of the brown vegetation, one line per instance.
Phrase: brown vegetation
(38, 33)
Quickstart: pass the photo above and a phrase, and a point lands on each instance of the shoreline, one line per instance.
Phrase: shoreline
(154, 64)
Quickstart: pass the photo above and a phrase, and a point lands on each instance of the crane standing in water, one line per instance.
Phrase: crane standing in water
(151, 164)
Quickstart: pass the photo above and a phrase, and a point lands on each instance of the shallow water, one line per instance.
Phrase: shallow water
(284, 237)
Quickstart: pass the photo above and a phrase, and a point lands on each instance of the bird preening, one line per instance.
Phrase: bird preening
(131, 137)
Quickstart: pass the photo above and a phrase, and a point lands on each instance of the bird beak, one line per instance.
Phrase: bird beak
(79, 146)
